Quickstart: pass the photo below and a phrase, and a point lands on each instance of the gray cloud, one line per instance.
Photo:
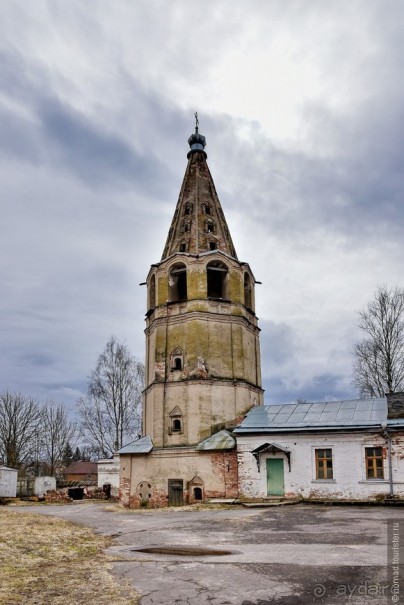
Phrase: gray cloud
(96, 107)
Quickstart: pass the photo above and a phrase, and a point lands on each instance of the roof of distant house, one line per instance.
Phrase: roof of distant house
(81, 468)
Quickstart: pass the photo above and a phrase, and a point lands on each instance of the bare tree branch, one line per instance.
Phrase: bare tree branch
(19, 425)
(57, 431)
(378, 366)
(111, 411)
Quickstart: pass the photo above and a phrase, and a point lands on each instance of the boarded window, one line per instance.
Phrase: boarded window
(324, 464)
(374, 463)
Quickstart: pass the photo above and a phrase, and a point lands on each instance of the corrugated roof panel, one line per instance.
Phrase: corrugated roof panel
(297, 418)
(348, 405)
(350, 414)
(139, 446)
(345, 414)
(223, 440)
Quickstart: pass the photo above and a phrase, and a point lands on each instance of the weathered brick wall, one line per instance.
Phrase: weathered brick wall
(216, 474)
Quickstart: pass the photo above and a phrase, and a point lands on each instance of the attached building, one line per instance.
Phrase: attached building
(340, 450)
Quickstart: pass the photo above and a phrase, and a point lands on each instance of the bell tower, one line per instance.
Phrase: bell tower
(202, 335)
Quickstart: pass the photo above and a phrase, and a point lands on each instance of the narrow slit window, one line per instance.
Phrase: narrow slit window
(152, 292)
(247, 291)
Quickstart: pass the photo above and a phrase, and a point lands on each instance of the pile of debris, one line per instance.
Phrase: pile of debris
(54, 495)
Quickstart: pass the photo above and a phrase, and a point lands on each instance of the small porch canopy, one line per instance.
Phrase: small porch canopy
(271, 448)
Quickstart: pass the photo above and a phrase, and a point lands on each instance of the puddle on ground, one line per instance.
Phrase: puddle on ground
(185, 551)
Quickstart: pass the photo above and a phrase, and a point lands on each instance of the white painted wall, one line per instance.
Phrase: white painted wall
(108, 472)
(8, 482)
(348, 450)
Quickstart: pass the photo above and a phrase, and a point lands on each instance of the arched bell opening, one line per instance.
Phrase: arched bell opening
(217, 280)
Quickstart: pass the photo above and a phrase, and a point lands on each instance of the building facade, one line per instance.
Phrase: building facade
(202, 354)
(340, 450)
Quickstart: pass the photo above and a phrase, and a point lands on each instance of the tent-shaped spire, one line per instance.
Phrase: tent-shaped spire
(198, 224)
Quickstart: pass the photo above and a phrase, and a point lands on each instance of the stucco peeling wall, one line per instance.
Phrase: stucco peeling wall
(349, 473)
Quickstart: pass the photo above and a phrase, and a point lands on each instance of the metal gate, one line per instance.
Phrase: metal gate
(175, 492)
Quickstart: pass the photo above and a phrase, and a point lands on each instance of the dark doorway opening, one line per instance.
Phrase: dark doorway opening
(197, 493)
(175, 492)
(76, 493)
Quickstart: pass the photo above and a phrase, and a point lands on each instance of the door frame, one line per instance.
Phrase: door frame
(268, 460)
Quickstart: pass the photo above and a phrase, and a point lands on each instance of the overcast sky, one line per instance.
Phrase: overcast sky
(301, 104)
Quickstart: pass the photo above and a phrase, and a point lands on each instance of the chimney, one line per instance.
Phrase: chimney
(395, 405)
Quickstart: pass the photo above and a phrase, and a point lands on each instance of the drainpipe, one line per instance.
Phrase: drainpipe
(387, 436)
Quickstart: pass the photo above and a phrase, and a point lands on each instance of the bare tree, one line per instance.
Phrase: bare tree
(378, 366)
(111, 411)
(57, 431)
(19, 425)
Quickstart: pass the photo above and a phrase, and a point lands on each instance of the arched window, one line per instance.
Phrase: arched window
(206, 208)
(176, 421)
(247, 291)
(188, 208)
(217, 279)
(212, 246)
(197, 493)
(152, 292)
(178, 282)
(176, 426)
(177, 359)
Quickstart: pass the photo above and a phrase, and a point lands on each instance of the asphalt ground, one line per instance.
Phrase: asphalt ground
(301, 554)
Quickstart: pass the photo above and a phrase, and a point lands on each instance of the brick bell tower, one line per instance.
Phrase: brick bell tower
(202, 336)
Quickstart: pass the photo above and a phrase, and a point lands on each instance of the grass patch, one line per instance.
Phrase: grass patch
(44, 560)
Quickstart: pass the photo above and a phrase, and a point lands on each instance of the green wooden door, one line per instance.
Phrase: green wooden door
(275, 480)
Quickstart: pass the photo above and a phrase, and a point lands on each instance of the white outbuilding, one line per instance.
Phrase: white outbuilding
(8, 482)
(335, 450)
(108, 475)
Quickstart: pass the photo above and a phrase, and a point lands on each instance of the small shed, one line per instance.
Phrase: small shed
(108, 474)
(8, 482)
(36, 486)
